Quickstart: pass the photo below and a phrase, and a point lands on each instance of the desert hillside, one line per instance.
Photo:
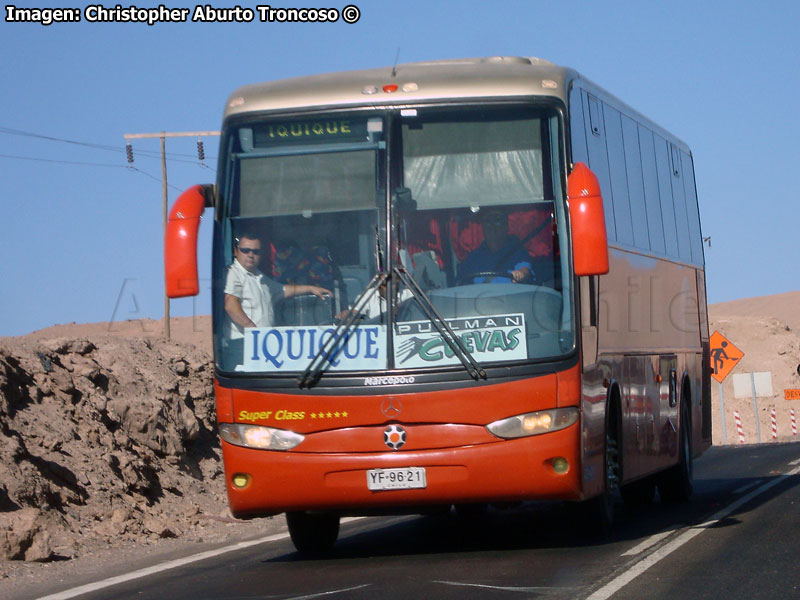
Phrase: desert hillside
(783, 307)
(767, 330)
(109, 434)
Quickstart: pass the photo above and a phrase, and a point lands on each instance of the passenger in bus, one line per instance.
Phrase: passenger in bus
(250, 295)
(501, 258)
(302, 254)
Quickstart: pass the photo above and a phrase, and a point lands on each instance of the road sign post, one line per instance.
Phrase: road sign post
(755, 407)
(724, 356)
(722, 412)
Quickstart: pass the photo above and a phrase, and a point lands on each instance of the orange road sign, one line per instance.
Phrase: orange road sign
(724, 356)
(791, 394)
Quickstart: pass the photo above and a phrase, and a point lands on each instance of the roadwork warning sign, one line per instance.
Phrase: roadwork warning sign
(724, 356)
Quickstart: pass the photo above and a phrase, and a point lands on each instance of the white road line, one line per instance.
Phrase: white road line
(166, 566)
(616, 584)
(172, 564)
(744, 488)
(330, 592)
(651, 541)
(504, 588)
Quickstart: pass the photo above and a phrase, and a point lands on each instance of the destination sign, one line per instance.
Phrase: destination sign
(269, 349)
(323, 130)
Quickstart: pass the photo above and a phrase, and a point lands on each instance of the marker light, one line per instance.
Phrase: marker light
(368, 90)
(534, 423)
(256, 436)
(410, 87)
(240, 480)
(560, 465)
(390, 87)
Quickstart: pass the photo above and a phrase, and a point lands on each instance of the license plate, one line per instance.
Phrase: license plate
(407, 478)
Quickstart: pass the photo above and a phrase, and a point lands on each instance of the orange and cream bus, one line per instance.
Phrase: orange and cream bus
(508, 294)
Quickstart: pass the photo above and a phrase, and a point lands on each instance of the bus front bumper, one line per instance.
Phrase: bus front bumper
(261, 482)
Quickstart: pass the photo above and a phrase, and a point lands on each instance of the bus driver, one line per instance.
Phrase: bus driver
(250, 295)
(500, 257)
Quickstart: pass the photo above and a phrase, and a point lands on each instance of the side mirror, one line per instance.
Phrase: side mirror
(180, 243)
(589, 238)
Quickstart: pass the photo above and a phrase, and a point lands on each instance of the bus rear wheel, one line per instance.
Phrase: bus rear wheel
(313, 533)
(675, 485)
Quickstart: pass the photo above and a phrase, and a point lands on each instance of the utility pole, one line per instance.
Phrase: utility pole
(164, 200)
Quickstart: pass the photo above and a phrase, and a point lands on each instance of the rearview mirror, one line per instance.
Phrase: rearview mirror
(587, 219)
(180, 243)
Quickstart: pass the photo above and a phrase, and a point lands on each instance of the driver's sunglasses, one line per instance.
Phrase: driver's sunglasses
(255, 251)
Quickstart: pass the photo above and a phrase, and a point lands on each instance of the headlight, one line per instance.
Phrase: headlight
(256, 436)
(534, 423)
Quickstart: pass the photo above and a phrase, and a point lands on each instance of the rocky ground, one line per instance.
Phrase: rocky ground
(106, 441)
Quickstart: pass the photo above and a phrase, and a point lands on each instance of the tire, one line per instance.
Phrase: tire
(313, 533)
(600, 510)
(639, 493)
(675, 485)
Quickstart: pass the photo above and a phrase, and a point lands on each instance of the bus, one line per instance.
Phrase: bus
(478, 282)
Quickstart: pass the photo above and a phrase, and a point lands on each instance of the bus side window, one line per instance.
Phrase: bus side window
(633, 167)
(598, 159)
(679, 202)
(665, 193)
(651, 193)
(623, 222)
(580, 152)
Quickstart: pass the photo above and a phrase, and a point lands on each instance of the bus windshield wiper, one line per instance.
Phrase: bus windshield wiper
(330, 348)
(452, 340)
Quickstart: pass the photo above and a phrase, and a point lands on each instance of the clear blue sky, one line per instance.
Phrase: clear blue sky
(81, 236)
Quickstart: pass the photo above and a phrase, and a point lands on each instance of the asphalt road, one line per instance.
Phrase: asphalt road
(737, 538)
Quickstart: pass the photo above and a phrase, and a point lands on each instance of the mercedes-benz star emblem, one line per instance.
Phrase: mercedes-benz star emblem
(394, 436)
(391, 407)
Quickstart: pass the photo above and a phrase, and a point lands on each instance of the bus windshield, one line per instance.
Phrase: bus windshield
(473, 218)
(481, 232)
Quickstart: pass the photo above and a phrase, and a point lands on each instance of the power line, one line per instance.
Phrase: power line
(145, 153)
(176, 188)
(64, 162)
(88, 164)
(10, 131)
(106, 147)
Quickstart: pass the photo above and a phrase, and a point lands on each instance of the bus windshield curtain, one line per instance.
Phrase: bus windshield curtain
(316, 183)
(450, 165)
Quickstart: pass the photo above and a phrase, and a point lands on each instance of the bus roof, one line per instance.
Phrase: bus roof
(429, 81)
(497, 76)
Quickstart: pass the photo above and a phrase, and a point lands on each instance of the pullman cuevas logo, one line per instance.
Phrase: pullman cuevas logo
(488, 339)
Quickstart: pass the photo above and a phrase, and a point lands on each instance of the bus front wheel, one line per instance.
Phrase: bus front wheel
(313, 533)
